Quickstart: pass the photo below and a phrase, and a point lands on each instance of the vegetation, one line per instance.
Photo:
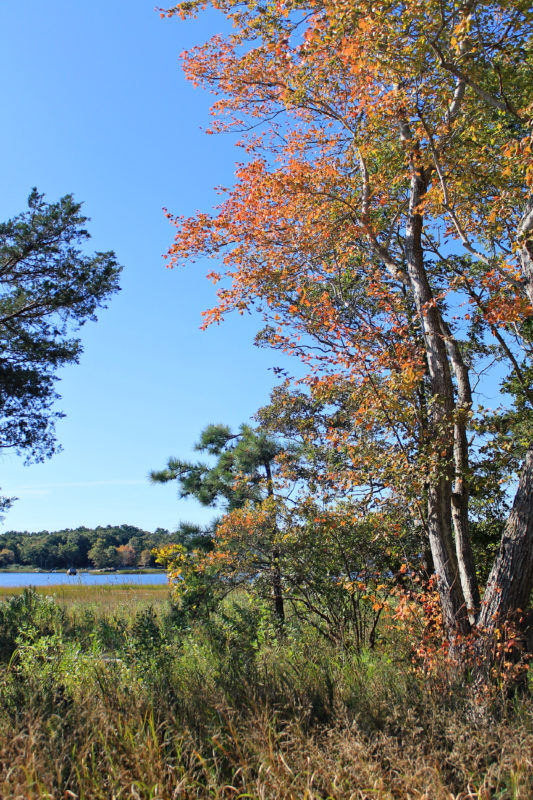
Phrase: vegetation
(356, 623)
(112, 547)
(382, 223)
(143, 704)
(242, 477)
(48, 289)
(100, 597)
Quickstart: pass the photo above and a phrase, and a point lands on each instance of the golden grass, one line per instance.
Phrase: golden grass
(124, 748)
(110, 704)
(106, 597)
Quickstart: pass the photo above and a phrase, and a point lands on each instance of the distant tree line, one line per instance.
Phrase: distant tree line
(113, 546)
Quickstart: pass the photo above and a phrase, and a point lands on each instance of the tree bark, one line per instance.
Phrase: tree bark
(511, 579)
(461, 490)
(277, 583)
(525, 238)
(441, 412)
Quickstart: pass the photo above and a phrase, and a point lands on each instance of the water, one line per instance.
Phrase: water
(15, 579)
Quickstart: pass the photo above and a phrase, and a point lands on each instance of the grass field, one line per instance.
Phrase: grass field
(107, 598)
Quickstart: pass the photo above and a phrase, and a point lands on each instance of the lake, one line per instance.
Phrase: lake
(14, 579)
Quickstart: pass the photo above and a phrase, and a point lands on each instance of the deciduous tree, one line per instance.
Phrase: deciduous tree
(393, 167)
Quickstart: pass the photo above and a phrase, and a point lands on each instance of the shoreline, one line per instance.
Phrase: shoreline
(82, 571)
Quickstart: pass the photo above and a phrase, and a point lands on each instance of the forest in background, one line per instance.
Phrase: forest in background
(110, 547)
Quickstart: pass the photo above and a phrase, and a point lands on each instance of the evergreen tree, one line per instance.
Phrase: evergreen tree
(48, 288)
(241, 473)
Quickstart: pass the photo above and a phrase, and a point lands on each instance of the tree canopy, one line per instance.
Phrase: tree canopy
(383, 225)
(49, 287)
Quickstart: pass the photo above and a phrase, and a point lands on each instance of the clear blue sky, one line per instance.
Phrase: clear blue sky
(95, 104)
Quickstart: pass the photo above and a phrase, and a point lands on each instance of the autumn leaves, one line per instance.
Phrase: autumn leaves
(380, 225)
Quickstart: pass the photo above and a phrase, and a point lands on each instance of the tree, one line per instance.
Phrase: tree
(394, 168)
(126, 555)
(146, 558)
(193, 536)
(36, 550)
(7, 557)
(103, 554)
(241, 475)
(48, 288)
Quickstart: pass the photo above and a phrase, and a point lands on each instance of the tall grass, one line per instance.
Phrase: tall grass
(105, 597)
(139, 704)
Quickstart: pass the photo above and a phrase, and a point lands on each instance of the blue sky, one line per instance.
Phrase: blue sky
(95, 104)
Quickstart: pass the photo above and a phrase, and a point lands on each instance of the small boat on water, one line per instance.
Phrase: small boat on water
(72, 571)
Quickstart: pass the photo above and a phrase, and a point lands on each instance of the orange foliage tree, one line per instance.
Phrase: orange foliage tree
(383, 215)
(126, 555)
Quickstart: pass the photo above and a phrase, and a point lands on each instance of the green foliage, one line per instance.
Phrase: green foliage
(196, 592)
(28, 616)
(150, 707)
(7, 557)
(240, 473)
(103, 554)
(49, 288)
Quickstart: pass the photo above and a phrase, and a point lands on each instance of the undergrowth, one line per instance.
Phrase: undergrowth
(143, 704)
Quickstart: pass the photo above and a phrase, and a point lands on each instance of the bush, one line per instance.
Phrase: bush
(28, 615)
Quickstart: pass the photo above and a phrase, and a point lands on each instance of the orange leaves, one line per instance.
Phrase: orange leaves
(356, 101)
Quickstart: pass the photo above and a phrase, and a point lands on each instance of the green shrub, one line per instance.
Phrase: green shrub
(28, 615)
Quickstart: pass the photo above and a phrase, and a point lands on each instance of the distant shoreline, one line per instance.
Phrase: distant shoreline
(84, 570)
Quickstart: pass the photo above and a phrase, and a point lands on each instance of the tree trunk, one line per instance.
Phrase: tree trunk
(511, 579)
(439, 494)
(525, 239)
(461, 490)
(277, 589)
(277, 584)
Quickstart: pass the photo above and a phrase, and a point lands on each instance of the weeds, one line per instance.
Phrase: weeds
(134, 704)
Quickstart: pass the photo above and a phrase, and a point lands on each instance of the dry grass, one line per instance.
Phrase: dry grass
(136, 709)
(106, 598)
(128, 750)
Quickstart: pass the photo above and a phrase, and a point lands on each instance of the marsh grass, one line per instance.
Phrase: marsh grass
(139, 704)
(106, 597)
